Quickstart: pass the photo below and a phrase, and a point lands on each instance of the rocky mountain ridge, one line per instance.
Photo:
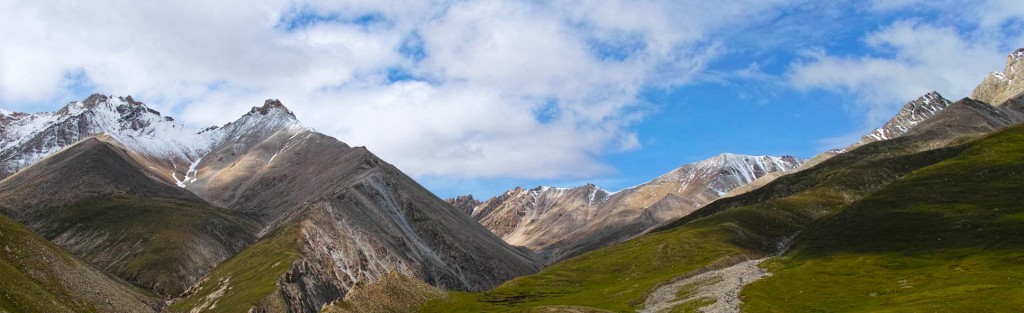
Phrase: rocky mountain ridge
(910, 115)
(171, 146)
(562, 222)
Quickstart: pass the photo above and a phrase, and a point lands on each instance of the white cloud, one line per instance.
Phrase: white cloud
(950, 52)
(994, 13)
(487, 69)
(915, 58)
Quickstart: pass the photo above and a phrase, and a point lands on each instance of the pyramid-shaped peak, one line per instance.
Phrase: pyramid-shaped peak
(912, 113)
(931, 99)
(271, 105)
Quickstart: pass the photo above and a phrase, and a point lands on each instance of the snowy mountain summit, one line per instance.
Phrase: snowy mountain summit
(910, 115)
(27, 138)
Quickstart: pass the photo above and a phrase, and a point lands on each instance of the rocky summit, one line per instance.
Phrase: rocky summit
(999, 87)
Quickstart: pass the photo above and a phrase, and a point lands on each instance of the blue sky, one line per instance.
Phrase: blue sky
(478, 97)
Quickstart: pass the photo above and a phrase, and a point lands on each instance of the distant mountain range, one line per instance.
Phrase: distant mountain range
(558, 223)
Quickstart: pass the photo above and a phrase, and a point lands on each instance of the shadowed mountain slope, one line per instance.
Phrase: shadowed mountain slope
(94, 200)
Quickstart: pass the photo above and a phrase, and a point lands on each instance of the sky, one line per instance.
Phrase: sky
(477, 97)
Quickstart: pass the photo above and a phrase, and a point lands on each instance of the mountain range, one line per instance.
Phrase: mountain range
(558, 223)
(109, 206)
(919, 215)
(169, 208)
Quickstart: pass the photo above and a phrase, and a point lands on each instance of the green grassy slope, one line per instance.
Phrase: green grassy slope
(247, 279)
(38, 276)
(617, 278)
(156, 242)
(945, 238)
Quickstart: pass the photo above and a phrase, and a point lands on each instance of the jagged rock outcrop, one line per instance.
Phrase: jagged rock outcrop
(999, 87)
(464, 203)
(559, 223)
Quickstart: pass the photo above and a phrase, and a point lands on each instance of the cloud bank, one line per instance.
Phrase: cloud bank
(440, 88)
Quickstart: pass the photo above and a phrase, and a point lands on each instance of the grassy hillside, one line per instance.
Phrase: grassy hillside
(160, 244)
(618, 278)
(947, 238)
(247, 279)
(40, 277)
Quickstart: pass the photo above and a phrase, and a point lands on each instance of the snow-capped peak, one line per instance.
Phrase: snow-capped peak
(30, 137)
(726, 171)
(263, 121)
(912, 113)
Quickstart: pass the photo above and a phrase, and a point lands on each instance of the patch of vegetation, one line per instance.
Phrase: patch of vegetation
(249, 278)
(693, 306)
(944, 238)
(614, 279)
(38, 276)
(20, 292)
(689, 290)
(155, 239)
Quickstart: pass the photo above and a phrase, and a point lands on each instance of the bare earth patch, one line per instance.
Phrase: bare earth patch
(721, 286)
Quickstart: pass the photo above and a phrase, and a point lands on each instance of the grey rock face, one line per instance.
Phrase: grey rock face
(999, 87)
(360, 218)
(464, 203)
